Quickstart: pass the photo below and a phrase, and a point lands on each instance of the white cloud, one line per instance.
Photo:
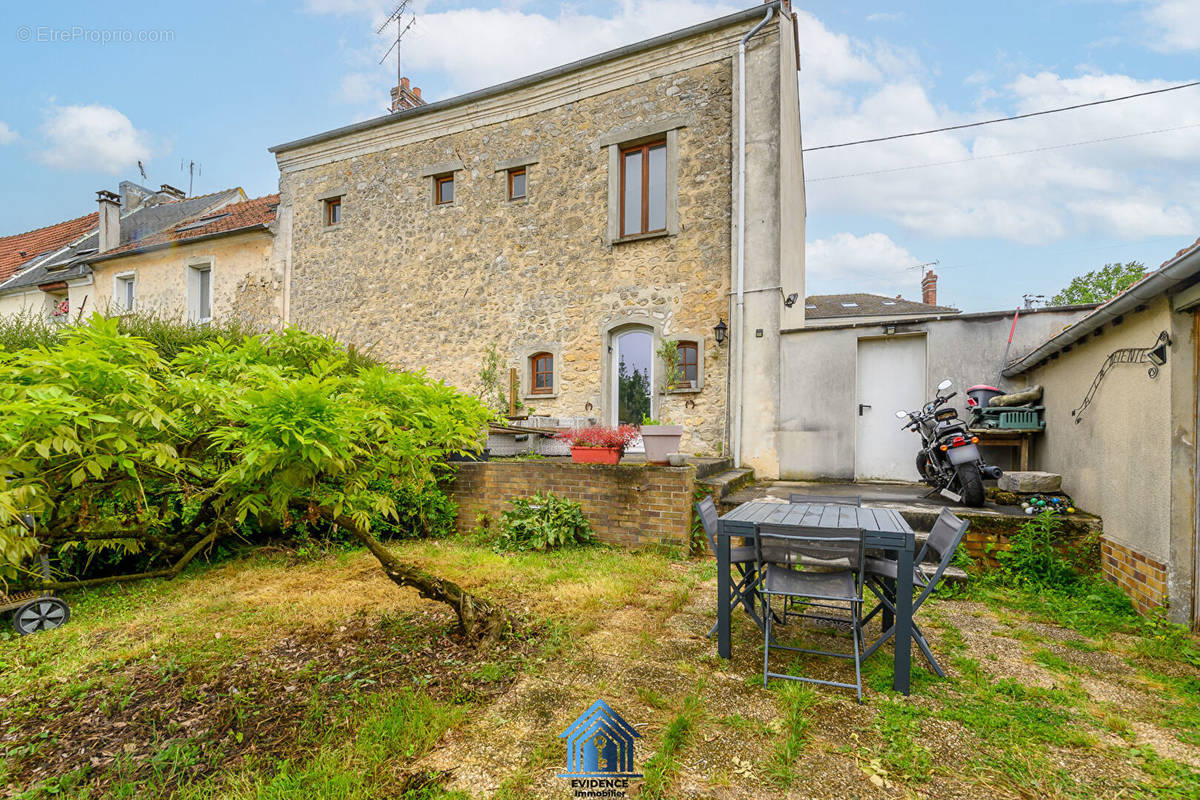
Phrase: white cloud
(1174, 25)
(434, 44)
(1024, 187)
(92, 138)
(881, 17)
(856, 89)
(848, 263)
(7, 134)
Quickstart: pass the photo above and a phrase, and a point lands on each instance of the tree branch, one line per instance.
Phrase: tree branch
(167, 573)
(477, 617)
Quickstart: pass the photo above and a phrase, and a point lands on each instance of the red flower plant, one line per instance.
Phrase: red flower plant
(601, 436)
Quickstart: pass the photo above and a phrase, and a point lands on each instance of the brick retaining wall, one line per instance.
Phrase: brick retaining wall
(629, 504)
(1142, 578)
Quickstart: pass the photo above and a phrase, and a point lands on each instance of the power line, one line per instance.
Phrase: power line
(999, 155)
(1003, 119)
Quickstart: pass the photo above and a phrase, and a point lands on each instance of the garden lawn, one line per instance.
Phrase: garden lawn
(273, 676)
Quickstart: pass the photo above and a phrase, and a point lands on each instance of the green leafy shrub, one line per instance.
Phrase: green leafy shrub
(128, 458)
(1031, 559)
(543, 522)
(426, 512)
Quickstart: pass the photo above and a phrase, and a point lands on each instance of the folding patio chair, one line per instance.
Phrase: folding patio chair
(825, 499)
(740, 558)
(944, 538)
(775, 548)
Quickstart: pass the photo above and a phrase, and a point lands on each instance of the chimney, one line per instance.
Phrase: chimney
(171, 192)
(110, 220)
(929, 289)
(405, 97)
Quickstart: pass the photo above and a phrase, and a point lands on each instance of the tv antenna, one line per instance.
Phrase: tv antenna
(933, 263)
(192, 168)
(397, 16)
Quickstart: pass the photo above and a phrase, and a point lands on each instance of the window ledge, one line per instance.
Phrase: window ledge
(331, 228)
(639, 237)
(539, 396)
(517, 201)
(686, 390)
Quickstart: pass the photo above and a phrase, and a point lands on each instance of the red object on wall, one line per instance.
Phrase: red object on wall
(596, 455)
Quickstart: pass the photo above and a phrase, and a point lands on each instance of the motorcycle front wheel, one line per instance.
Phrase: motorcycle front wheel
(970, 484)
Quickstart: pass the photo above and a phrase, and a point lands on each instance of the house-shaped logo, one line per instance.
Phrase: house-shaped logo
(600, 744)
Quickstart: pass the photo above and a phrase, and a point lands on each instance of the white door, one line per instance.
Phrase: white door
(891, 377)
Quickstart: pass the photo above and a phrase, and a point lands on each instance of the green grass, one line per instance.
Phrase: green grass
(357, 736)
(798, 701)
(898, 723)
(664, 764)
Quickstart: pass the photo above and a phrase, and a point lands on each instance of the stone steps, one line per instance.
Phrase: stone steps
(707, 467)
(725, 483)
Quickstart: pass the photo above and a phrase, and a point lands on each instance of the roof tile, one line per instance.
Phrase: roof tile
(17, 249)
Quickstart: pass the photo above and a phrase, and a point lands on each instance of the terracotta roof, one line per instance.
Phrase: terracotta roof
(17, 249)
(823, 306)
(235, 216)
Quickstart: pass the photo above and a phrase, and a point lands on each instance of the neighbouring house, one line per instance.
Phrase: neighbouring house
(836, 309)
(191, 258)
(216, 266)
(859, 358)
(575, 219)
(1121, 404)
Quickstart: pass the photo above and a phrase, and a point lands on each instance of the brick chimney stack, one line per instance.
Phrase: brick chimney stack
(405, 97)
(929, 289)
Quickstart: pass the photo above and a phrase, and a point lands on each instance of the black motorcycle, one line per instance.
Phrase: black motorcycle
(949, 460)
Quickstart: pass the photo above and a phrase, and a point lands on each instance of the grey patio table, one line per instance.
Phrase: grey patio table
(883, 528)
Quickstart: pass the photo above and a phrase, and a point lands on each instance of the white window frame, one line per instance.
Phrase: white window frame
(194, 268)
(120, 280)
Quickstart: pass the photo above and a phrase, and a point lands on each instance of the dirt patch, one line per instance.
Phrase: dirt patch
(993, 646)
(265, 703)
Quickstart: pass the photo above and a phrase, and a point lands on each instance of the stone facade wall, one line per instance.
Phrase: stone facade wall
(633, 505)
(244, 285)
(1142, 578)
(433, 286)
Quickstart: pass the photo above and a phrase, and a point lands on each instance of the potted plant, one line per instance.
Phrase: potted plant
(599, 444)
(662, 440)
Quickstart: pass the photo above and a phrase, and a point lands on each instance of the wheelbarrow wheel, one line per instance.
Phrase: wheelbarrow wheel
(42, 614)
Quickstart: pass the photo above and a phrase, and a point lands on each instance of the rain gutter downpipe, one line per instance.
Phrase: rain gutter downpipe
(740, 328)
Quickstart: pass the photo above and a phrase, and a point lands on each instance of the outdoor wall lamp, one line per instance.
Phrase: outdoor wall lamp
(719, 331)
(791, 299)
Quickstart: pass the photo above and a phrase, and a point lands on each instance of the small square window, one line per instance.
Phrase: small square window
(443, 190)
(333, 211)
(689, 363)
(542, 370)
(516, 183)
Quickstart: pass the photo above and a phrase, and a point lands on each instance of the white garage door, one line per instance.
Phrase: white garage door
(891, 376)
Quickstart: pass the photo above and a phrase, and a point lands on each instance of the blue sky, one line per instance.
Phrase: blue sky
(220, 82)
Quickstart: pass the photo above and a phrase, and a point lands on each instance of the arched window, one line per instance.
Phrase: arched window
(541, 373)
(689, 364)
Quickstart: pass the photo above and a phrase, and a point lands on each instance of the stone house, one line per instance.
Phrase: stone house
(574, 220)
(1121, 407)
(56, 271)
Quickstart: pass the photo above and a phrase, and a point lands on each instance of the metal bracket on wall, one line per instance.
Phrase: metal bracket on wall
(1155, 355)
